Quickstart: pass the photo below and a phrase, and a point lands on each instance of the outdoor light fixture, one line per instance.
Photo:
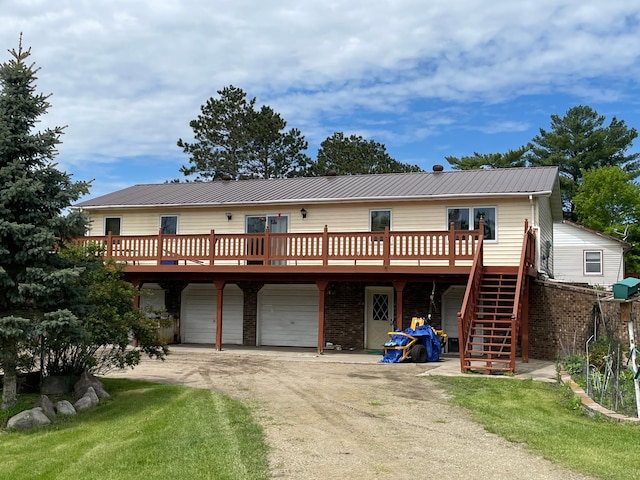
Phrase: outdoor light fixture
(229, 216)
(303, 212)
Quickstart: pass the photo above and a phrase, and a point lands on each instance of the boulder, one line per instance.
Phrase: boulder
(46, 405)
(28, 419)
(88, 400)
(88, 380)
(57, 384)
(64, 407)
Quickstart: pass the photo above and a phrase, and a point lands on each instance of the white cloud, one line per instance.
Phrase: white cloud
(127, 76)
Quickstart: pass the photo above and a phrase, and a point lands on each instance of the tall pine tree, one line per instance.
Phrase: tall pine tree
(34, 280)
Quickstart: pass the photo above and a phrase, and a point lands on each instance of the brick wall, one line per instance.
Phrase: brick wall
(561, 319)
(344, 314)
(250, 312)
(345, 310)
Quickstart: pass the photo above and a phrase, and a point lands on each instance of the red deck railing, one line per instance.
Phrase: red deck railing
(321, 248)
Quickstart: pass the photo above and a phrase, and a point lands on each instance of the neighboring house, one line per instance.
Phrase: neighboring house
(585, 256)
(341, 259)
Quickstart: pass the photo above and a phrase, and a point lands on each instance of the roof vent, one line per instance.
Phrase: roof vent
(438, 168)
(331, 173)
(226, 177)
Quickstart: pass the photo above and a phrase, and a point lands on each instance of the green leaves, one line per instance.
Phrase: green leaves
(233, 138)
(354, 155)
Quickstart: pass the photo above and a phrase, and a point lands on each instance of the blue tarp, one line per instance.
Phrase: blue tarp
(425, 335)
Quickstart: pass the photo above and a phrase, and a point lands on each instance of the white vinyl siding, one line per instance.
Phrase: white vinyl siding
(198, 315)
(545, 242)
(569, 252)
(288, 315)
(344, 217)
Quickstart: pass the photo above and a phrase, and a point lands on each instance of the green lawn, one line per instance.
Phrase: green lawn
(546, 417)
(145, 431)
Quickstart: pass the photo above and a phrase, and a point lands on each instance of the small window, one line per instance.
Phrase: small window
(461, 218)
(593, 262)
(379, 220)
(112, 224)
(169, 224)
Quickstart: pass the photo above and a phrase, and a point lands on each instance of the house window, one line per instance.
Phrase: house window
(462, 219)
(593, 262)
(169, 224)
(379, 220)
(112, 224)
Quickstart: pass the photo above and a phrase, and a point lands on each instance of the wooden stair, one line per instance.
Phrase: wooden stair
(492, 339)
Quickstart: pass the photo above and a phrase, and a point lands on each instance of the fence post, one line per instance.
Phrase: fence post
(452, 244)
(109, 244)
(212, 247)
(159, 248)
(386, 252)
(266, 246)
(325, 246)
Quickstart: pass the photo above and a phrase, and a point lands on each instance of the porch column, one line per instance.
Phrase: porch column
(322, 287)
(219, 291)
(399, 287)
(136, 304)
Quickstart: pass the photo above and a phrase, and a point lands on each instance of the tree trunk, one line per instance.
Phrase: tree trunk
(9, 394)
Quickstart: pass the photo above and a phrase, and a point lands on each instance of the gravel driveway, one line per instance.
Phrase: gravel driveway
(335, 417)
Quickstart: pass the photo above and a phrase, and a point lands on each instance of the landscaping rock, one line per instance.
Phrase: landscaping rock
(88, 400)
(64, 407)
(57, 385)
(28, 419)
(88, 380)
(46, 405)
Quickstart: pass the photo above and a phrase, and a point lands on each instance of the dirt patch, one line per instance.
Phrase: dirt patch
(329, 419)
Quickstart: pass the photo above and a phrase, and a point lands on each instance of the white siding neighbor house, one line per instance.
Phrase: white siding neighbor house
(585, 256)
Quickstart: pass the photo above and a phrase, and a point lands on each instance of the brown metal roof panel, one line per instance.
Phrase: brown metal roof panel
(348, 187)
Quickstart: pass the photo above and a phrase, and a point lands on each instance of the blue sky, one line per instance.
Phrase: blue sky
(427, 79)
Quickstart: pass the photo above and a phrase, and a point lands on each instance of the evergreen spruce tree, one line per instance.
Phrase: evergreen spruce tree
(35, 283)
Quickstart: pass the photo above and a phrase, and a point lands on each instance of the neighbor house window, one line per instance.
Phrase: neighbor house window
(468, 218)
(379, 220)
(169, 224)
(112, 224)
(593, 262)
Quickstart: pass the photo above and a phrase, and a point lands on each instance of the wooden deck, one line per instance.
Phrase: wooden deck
(444, 251)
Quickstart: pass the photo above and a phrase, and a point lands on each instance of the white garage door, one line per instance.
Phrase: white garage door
(198, 318)
(288, 315)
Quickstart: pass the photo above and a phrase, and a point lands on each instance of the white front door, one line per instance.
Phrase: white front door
(379, 320)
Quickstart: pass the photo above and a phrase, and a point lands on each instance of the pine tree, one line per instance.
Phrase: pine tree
(35, 283)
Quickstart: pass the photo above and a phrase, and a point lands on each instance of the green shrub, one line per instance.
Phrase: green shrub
(572, 364)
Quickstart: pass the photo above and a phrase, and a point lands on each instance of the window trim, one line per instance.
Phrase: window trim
(161, 216)
(600, 262)
(470, 210)
(104, 223)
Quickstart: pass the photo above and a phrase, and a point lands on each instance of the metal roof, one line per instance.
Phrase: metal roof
(345, 188)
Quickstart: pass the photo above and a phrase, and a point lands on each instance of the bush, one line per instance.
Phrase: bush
(572, 364)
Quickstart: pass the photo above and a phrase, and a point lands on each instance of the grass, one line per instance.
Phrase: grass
(546, 417)
(145, 431)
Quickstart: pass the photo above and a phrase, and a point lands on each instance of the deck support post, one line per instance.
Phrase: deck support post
(322, 287)
(399, 287)
(219, 293)
(524, 334)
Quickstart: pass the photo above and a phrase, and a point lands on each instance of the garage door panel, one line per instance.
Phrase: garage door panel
(288, 315)
(198, 320)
